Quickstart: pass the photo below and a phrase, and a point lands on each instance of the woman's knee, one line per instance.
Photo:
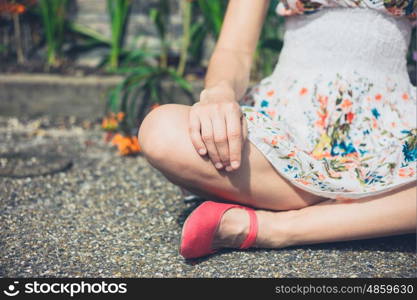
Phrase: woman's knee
(159, 131)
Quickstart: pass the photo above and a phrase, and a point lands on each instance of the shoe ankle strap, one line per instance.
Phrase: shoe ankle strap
(253, 229)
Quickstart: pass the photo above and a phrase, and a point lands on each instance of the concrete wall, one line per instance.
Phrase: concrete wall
(27, 95)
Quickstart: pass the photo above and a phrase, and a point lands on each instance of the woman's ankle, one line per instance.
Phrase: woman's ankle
(233, 229)
(276, 229)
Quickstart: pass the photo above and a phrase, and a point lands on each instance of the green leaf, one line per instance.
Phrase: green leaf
(273, 44)
(88, 32)
(181, 81)
(339, 100)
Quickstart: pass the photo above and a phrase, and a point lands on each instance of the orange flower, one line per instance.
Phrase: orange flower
(303, 91)
(378, 97)
(323, 100)
(322, 119)
(349, 117)
(109, 123)
(126, 145)
(303, 181)
(270, 93)
(352, 154)
(271, 112)
(120, 116)
(12, 8)
(321, 155)
(20, 9)
(319, 123)
(406, 172)
(405, 96)
(320, 176)
(346, 103)
(117, 138)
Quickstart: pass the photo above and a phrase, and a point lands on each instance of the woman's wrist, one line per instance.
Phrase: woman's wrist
(230, 70)
(227, 84)
(218, 92)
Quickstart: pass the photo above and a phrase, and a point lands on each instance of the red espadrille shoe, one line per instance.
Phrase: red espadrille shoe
(201, 226)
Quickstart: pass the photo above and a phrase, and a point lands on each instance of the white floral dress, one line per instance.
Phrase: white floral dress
(337, 117)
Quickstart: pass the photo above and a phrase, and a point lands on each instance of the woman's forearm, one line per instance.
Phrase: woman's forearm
(230, 63)
(231, 69)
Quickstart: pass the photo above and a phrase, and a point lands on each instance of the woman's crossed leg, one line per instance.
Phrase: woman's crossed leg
(287, 215)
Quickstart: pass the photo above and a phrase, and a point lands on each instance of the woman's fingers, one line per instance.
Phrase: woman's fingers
(234, 136)
(195, 133)
(208, 139)
(220, 137)
(217, 129)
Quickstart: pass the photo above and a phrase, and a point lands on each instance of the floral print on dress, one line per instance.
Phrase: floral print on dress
(406, 8)
(341, 135)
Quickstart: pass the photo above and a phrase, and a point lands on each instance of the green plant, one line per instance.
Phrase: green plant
(14, 10)
(213, 13)
(143, 87)
(149, 79)
(17, 33)
(53, 14)
(186, 35)
(160, 15)
(207, 20)
(118, 13)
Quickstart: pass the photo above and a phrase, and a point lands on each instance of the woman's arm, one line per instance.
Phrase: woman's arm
(215, 121)
(231, 60)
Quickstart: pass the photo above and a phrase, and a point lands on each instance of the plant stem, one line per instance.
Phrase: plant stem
(18, 39)
(163, 60)
(118, 13)
(186, 23)
(114, 15)
(53, 18)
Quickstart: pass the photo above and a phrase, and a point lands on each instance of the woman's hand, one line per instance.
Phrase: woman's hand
(218, 127)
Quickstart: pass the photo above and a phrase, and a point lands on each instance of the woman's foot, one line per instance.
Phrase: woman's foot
(234, 228)
(213, 226)
(201, 226)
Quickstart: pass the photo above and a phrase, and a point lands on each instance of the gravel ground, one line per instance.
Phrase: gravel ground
(112, 216)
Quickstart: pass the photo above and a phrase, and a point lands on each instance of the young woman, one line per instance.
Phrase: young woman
(324, 149)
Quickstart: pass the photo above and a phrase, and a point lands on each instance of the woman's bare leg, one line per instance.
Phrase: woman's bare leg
(166, 144)
(387, 214)
(164, 138)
